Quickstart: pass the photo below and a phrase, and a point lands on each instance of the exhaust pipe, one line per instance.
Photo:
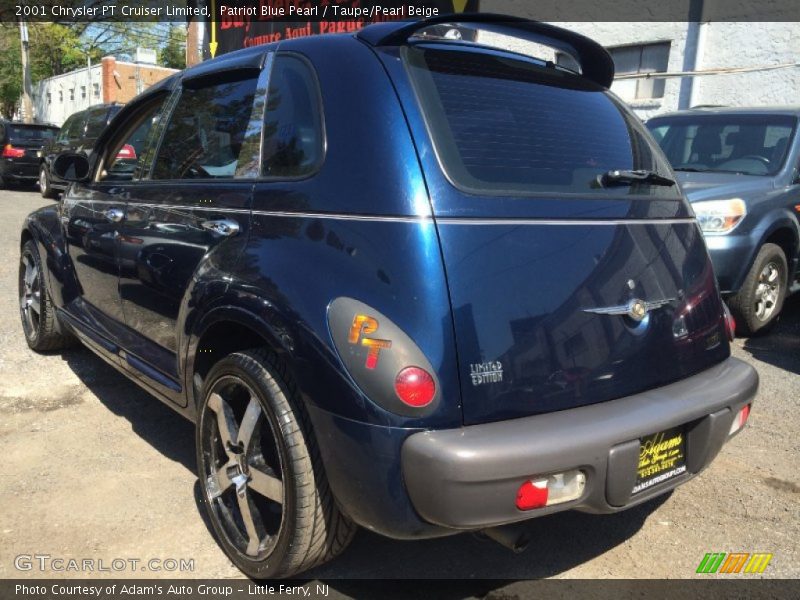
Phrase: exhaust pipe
(515, 537)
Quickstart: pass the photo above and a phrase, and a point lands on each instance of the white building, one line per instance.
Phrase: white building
(56, 98)
(734, 63)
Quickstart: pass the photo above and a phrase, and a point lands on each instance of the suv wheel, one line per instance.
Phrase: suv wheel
(36, 309)
(757, 305)
(263, 484)
(44, 184)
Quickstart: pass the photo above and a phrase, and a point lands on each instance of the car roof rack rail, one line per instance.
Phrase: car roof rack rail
(595, 61)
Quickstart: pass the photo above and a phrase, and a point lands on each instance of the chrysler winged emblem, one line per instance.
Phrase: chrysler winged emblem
(636, 309)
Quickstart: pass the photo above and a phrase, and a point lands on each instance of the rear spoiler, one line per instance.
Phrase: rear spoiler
(596, 63)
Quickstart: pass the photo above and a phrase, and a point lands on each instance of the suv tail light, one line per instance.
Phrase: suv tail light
(127, 152)
(10, 152)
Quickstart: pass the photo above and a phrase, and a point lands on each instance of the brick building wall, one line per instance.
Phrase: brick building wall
(122, 81)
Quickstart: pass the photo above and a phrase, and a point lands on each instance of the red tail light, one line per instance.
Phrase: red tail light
(10, 152)
(127, 152)
(415, 387)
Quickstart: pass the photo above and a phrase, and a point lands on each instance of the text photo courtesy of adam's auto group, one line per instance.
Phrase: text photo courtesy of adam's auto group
(482, 291)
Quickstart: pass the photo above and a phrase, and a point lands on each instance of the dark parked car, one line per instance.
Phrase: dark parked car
(740, 168)
(409, 283)
(78, 134)
(19, 146)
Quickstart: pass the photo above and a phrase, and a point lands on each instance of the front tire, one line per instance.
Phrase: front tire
(263, 484)
(36, 308)
(757, 305)
(45, 188)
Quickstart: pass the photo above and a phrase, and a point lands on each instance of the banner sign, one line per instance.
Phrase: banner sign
(237, 24)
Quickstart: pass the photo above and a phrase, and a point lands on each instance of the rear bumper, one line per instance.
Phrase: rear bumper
(467, 478)
(19, 169)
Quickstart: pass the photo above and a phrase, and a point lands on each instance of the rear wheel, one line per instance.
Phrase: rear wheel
(757, 305)
(36, 309)
(263, 483)
(44, 184)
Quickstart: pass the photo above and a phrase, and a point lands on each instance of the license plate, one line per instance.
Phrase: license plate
(662, 456)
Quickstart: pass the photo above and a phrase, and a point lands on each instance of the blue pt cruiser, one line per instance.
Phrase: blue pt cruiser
(398, 280)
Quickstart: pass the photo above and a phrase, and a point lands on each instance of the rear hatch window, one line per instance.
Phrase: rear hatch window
(505, 125)
(30, 133)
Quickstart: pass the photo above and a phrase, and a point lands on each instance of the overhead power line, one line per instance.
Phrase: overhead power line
(721, 71)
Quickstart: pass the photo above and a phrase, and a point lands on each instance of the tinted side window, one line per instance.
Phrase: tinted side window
(70, 123)
(505, 126)
(77, 127)
(206, 131)
(96, 123)
(293, 131)
(131, 157)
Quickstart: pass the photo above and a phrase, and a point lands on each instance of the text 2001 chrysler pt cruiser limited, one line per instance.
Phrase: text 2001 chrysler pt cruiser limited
(398, 280)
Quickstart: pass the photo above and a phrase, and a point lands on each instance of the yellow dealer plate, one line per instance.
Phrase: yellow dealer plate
(662, 456)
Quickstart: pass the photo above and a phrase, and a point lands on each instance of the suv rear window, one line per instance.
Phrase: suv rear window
(505, 126)
(22, 133)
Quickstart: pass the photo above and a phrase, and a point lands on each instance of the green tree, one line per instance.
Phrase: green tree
(10, 69)
(173, 53)
(56, 49)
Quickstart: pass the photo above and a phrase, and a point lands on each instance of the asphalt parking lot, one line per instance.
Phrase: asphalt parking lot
(93, 467)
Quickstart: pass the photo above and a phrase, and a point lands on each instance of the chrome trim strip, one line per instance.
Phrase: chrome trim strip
(344, 217)
(413, 218)
(577, 222)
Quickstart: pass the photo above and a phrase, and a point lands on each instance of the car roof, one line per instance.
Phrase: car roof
(791, 110)
(23, 124)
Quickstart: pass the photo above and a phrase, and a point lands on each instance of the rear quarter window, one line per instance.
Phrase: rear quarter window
(294, 140)
(505, 126)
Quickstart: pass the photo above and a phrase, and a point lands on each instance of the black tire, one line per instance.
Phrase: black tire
(45, 187)
(275, 471)
(36, 308)
(758, 303)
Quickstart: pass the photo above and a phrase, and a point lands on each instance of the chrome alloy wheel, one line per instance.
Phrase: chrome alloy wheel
(768, 291)
(30, 288)
(242, 468)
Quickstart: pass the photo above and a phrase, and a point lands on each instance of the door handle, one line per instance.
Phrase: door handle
(114, 215)
(226, 227)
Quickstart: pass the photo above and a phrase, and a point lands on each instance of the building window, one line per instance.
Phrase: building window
(645, 58)
(96, 90)
(72, 93)
(60, 95)
(49, 98)
(83, 91)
